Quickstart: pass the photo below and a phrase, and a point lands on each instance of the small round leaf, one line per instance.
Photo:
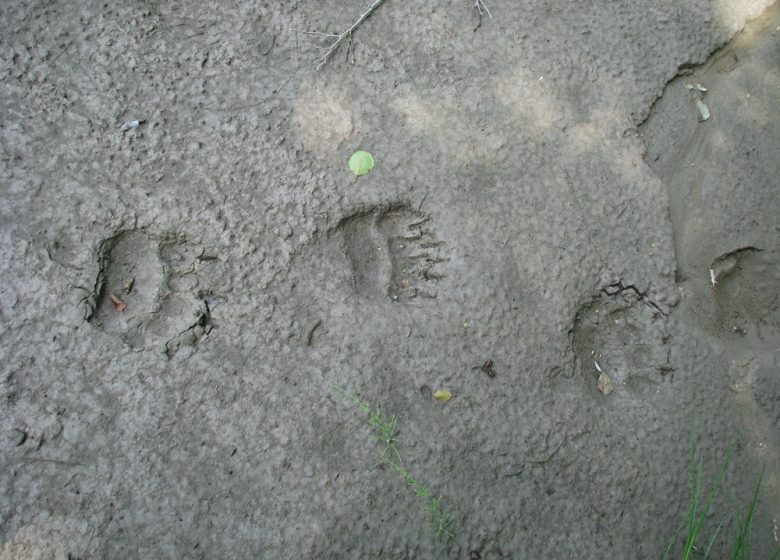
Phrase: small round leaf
(361, 163)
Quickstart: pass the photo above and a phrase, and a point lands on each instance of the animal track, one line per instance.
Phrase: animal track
(626, 334)
(766, 390)
(748, 296)
(393, 254)
(131, 270)
(154, 286)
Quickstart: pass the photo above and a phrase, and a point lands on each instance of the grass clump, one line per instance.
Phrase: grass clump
(385, 431)
(698, 511)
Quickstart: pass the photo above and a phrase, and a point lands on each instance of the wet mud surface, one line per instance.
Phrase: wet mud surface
(551, 233)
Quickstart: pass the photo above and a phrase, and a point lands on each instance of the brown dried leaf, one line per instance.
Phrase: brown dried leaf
(119, 305)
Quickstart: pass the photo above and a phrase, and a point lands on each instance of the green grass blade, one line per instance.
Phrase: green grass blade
(714, 536)
(697, 515)
(362, 405)
(713, 491)
(696, 473)
(674, 539)
(691, 507)
(744, 542)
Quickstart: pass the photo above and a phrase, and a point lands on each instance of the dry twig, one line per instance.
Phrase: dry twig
(481, 8)
(338, 39)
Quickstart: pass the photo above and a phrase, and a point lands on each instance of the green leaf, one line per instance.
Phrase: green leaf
(361, 163)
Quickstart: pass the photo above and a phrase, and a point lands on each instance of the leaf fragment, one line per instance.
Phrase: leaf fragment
(704, 112)
(119, 305)
(604, 384)
(131, 124)
(442, 395)
(697, 87)
(361, 163)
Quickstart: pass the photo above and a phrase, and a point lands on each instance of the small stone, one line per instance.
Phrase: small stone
(605, 384)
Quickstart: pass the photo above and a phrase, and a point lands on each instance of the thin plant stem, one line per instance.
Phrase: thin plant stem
(744, 541)
(440, 519)
(338, 39)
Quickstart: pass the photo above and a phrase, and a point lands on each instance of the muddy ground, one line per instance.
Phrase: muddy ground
(545, 197)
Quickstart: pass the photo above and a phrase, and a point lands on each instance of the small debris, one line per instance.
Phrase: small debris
(21, 437)
(129, 286)
(699, 91)
(131, 124)
(310, 336)
(713, 279)
(704, 112)
(697, 87)
(481, 8)
(119, 305)
(426, 392)
(210, 299)
(487, 368)
(605, 385)
(442, 395)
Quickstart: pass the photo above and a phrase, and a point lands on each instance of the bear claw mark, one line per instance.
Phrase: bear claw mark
(394, 254)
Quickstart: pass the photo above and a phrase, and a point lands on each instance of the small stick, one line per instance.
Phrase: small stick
(480, 7)
(348, 33)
